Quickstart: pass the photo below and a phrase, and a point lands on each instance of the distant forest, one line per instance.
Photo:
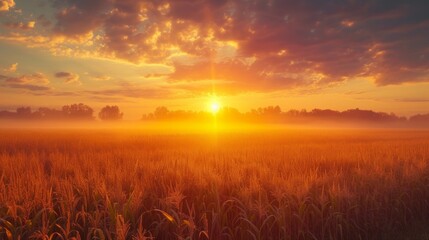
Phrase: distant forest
(270, 114)
(73, 112)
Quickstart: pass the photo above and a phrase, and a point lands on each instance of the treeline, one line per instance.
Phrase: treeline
(270, 114)
(274, 114)
(79, 112)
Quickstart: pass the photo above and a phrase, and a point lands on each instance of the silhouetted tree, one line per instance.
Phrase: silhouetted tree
(78, 111)
(420, 120)
(267, 111)
(23, 112)
(161, 113)
(229, 112)
(110, 113)
(7, 115)
(325, 114)
(50, 113)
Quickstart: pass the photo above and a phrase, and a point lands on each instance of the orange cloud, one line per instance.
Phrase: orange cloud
(236, 76)
(68, 77)
(101, 78)
(12, 68)
(35, 78)
(5, 5)
(20, 25)
(265, 45)
(33, 82)
(131, 90)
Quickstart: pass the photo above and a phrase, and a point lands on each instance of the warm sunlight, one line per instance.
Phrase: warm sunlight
(214, 119)
(214, 106)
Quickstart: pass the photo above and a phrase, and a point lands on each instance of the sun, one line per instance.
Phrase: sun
(214, 106)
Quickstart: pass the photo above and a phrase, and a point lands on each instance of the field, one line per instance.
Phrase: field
(285, 184)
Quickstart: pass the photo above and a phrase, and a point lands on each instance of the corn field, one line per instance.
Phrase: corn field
(286, 184)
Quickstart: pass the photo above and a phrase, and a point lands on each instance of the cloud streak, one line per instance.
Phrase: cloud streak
(32, 82)
(20, 25)
(68, 77)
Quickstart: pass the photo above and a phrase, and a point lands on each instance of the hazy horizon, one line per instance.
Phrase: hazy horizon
(182, 54)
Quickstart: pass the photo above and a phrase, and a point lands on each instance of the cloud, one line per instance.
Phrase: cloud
(5, 5)
(42, 20)
(108, 99)
(20, 25)
(101, 78)
(132, 90)
(12, 68)
(271, 44)
(68, 77)
(237, 76)
(52, 92)
(78, 17)
(144, 93)
(412, 100)
(32, 82)
(31, 87)
(137, 31)
(156, 75)
(35, 78)
(57, 45)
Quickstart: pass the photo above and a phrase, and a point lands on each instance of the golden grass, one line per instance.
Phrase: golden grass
(287, 184)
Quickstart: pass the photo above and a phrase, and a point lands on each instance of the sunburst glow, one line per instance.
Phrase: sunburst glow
(214, 106)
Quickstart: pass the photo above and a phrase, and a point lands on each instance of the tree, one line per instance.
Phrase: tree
(24, 112)
(110, 113)
(161, 113)
(420, 120)
(50, 113)
(78, 111)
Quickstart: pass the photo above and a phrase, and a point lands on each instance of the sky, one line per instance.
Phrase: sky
(140, 54)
